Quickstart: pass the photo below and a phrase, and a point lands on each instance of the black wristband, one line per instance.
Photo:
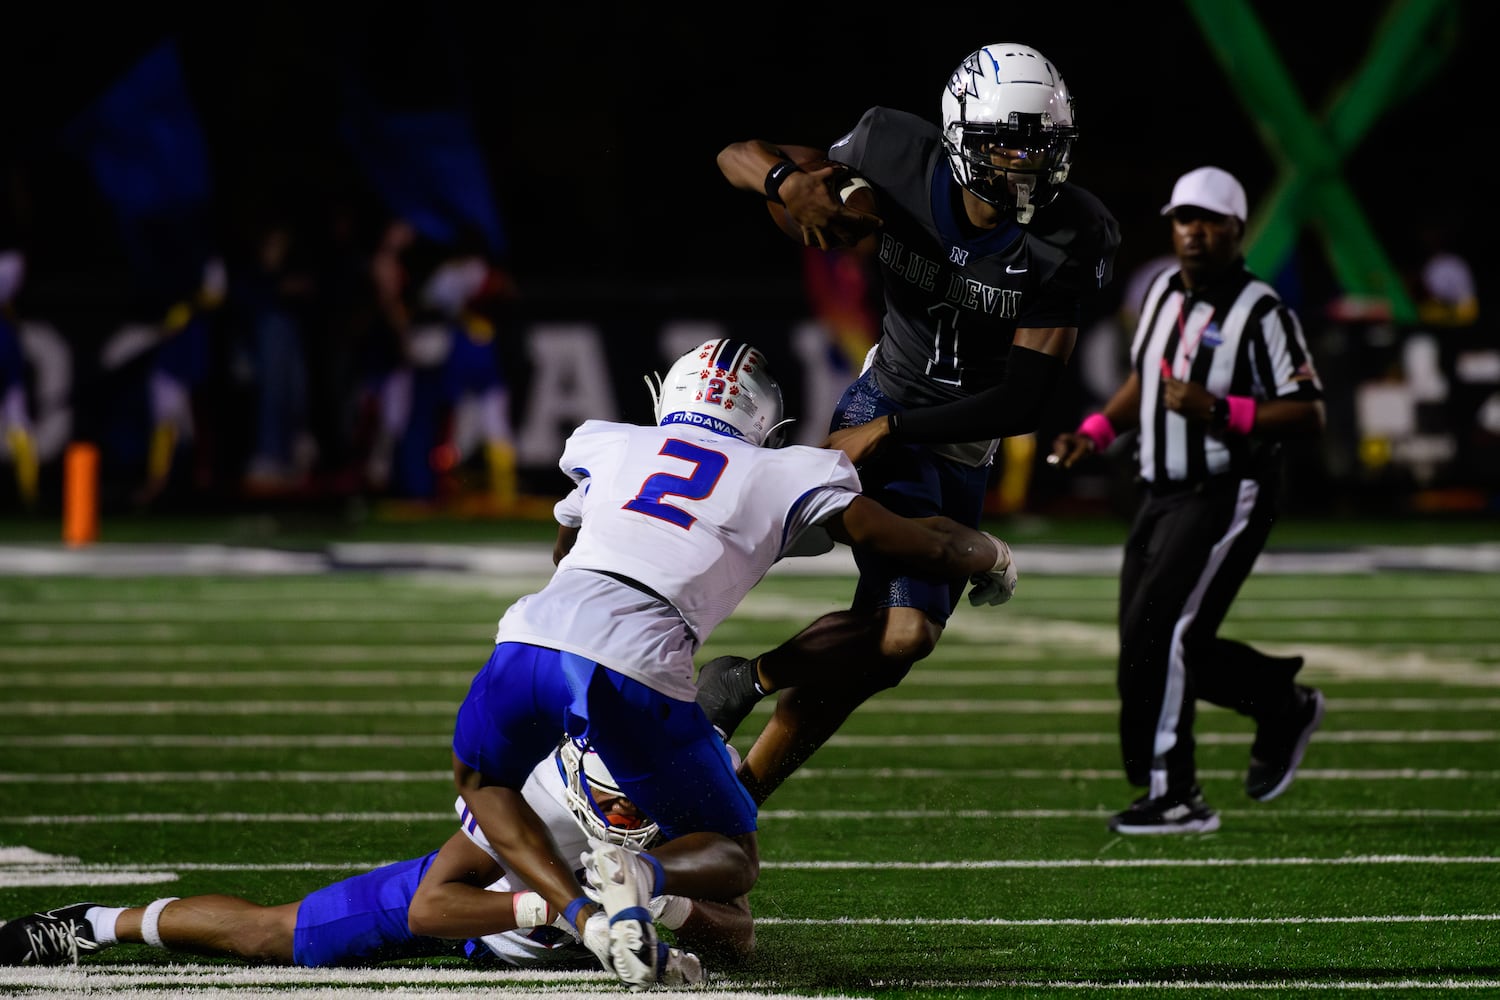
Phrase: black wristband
(780, 172)
(1218, 413)
(892, 422)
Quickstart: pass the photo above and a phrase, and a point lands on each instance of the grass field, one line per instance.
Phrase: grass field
(170, 733)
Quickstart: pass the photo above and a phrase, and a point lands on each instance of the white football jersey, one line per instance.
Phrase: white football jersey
(692, 520)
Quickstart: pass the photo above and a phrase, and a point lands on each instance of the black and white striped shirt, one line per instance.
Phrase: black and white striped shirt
(1235, 338)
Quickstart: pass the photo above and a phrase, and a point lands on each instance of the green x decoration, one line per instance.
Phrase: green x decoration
(1405, 53)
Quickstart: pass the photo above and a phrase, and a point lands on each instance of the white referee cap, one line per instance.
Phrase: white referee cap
(1209, 188)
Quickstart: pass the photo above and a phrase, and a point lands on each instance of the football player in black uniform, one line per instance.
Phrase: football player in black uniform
(987, 256)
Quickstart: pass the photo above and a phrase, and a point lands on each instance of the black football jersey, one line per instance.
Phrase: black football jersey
(954, 295)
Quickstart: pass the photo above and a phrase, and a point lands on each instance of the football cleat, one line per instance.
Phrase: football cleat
(626, 884)
(56, 937)
(727, 692)
(639, 958)
(1279, 747)
(1182, 812)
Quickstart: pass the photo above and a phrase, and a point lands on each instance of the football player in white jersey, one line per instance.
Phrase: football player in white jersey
(367, 918)
(667, 529)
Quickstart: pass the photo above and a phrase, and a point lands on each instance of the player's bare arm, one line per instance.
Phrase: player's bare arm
(453, 902)
(935, 545)
(521, 838)
(566, 538)
(807, 185)
(860, 441)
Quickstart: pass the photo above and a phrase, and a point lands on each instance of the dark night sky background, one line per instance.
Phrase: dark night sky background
(601, 125)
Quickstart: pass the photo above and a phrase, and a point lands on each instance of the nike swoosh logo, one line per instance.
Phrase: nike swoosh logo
(1014, 270)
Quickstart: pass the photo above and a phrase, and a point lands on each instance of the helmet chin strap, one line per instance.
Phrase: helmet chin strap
(773, 437)
(654, 384)
(1024, 207)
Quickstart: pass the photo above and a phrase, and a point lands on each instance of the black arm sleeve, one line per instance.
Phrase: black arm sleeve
(1012, 407)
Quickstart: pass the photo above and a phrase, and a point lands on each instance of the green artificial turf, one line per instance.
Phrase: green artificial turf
(264, 735)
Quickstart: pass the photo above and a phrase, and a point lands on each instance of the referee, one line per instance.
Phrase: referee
(1220, 375)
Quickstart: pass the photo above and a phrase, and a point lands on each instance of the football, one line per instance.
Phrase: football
(851, 190)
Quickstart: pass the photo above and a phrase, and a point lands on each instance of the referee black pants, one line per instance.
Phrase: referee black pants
(1188, 552)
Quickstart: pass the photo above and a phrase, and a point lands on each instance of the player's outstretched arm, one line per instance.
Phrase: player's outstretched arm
(804, 185)
(745, 164)
(935, 546)
(452, 901)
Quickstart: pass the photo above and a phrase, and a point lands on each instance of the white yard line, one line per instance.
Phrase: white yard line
(157, 983)
(188, 980)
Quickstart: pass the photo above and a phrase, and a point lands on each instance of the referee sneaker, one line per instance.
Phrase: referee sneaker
(1220, 375)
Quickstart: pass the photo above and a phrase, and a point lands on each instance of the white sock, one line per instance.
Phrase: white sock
(102, 921)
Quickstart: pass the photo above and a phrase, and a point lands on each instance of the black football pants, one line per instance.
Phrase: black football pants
(1187, 555)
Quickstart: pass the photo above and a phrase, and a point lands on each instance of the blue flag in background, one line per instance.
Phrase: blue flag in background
(428, 168)
(145, 149)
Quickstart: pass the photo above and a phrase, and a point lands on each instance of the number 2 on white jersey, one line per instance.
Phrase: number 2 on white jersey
(708, 466)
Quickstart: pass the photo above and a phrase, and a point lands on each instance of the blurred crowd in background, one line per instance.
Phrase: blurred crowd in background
(315, 256)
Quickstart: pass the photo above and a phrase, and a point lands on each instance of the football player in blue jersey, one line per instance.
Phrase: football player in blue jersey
(988, 255)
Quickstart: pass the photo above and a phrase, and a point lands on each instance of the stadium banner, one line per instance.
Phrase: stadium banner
(1413, 412)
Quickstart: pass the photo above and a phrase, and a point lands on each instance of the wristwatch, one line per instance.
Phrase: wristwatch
(1218, 413)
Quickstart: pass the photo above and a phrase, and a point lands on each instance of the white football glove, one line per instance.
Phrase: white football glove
(998, 584)
(616, 877)
(637, 956)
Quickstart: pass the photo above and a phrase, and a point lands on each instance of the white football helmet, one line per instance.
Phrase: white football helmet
(722, 385)
(1009, 97)
(582, 771)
